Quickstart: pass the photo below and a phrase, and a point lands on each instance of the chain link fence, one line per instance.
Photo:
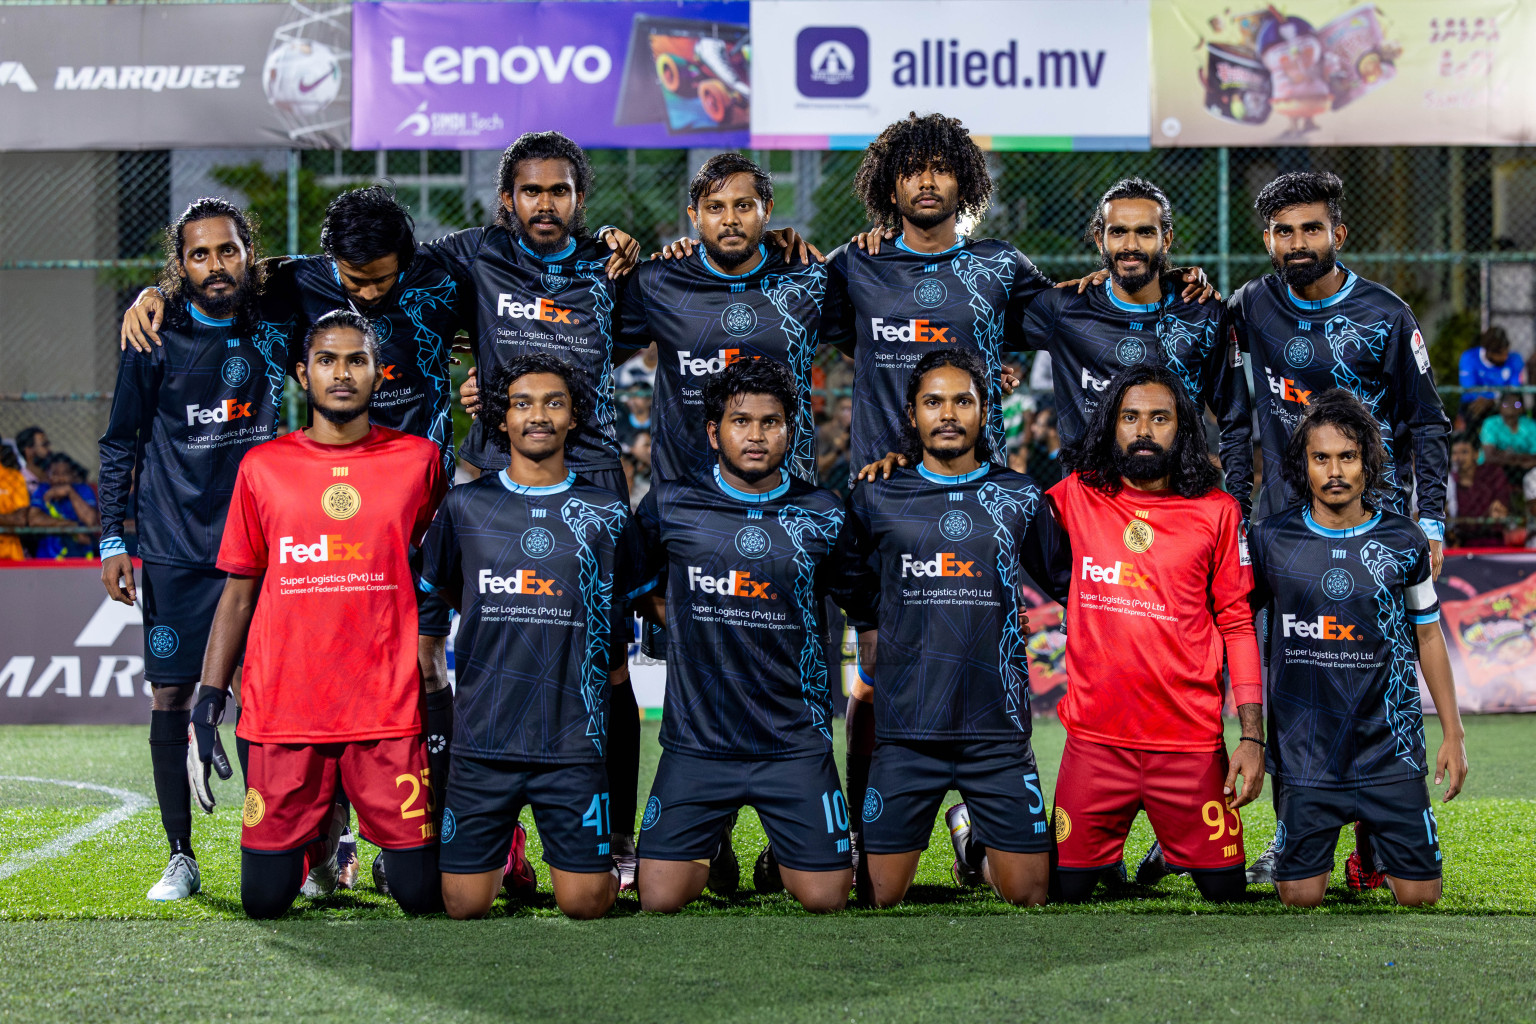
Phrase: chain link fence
(1452, 230)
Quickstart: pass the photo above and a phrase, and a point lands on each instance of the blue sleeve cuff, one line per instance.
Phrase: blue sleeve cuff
(1434, 529)
(643, 589)
(111, 547)
(426, 586)
(1425, 619)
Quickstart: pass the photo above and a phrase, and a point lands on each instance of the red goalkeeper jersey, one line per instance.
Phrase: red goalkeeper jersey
(1159, 592)
(331, 655)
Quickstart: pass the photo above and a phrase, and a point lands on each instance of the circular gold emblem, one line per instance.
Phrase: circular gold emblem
(1063, 824)
(255, 809)
(1138, 535)
(341, 501)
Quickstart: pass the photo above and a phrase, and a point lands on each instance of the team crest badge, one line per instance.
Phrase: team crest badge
(738, 319)
(1130, 351)
(538, 542)
(1139, 535)
(255, 809)
(753, 542)
(236, 371)
(163, 641)
(930, 293)
(1279, 836)
(382, 328)
(652, 814)
(1298, 352)
(556, 283)
(874, 803)
(1338, 583)
(955, 525)
(341, 501)
(1063, 824)
(450, 826)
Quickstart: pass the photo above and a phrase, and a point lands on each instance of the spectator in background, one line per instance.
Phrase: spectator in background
(832, 445)
(635, 417)
(1045, 456)
(65, 497)
(15, 500)
(639, 369)
(1490, 364)
(1476, 491)
(637, 467)
(35, 453)
(1018, 408)
(1509, 440)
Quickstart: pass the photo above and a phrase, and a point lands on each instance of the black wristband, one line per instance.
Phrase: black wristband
(1251, 739)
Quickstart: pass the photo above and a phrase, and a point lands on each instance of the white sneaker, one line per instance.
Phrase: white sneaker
(181, 879)
(624, 859)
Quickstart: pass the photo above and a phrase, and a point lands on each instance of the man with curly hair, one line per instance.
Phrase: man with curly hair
(1159, 575)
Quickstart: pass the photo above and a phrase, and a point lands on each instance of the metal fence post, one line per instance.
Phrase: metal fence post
(293, 202)
(1223, 222)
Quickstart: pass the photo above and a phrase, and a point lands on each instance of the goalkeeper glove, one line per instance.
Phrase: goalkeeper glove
(204, 748)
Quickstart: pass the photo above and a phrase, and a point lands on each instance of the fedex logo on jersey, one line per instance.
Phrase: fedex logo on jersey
(924, 331)
(1121, 574)
(539, 309)
(702, 366)
(1324, 627)
(1090, 381)
(331, 547)
(1286, 388)
(944, 563)
(225, 412)
(733, 584)
(523, 581)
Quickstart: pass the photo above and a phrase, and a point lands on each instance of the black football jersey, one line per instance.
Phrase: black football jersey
(183, 415)
(898, 305)
(702, 321)
(1363, 338)
(542, 577)
(948, 556)
(1342, 694)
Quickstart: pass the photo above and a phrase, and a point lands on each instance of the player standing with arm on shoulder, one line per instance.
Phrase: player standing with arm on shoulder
(182, 417)
(542, 564)
(1159, 598)
(943, 545)
(320, 598)
(1352, 606)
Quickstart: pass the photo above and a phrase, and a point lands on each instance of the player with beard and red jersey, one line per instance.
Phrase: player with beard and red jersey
(1159, 594)
(321, 528)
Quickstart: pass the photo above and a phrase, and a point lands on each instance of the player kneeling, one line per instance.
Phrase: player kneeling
(540, 563)
(1350, 595)
(745, 557)
(943, 545)
(331, 692)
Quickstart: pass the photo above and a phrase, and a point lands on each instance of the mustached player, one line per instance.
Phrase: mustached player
(944, 544)
(182, 417)
(746, 558)
(1159, 598)
(320, 529)
(1351, 601)
(541, 563)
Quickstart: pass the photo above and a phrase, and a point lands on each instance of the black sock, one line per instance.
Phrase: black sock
(414, 881)
(1224, 885)
(168, 758)
(439, 744)
(269, 882)
(1074, 886)
(623, 757)
(860, 730)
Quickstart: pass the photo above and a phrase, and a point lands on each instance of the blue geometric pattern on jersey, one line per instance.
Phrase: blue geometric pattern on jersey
(1347, 342)
(987, 321)
(605, 414)
(1000, 503)
(271, 339)
(809, 284)
(801, 523)
(1389, 568)
(432, 358)
(596, 593)
(1196, 339)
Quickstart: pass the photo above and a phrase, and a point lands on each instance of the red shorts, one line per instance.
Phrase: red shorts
(1099, 790)
(292, 789)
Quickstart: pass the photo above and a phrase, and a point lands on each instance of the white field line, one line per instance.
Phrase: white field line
(132, 803)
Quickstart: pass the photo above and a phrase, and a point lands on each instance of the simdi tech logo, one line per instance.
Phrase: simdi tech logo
(832, 62)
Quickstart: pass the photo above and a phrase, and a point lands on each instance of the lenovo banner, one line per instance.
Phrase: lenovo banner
(164, 76)
(1050, 74)
(478, 75)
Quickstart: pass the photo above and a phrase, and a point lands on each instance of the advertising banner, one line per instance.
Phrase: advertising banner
(1050, 74)
(163, 76)
(1343, 73)
(478, 75)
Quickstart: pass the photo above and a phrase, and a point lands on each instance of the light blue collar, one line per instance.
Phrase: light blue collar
(964, 478)
(1332, 300)
(901, 243)
(1129, 307)
(1353, 531)
(762, 252)
(749, 498)
(517, 488)
(204, 318)
(563, 254)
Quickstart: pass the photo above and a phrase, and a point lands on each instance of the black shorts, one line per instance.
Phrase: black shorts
(178, 612)
(799, 800)
(1399, 815)
(997, 779)
(570, 808)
